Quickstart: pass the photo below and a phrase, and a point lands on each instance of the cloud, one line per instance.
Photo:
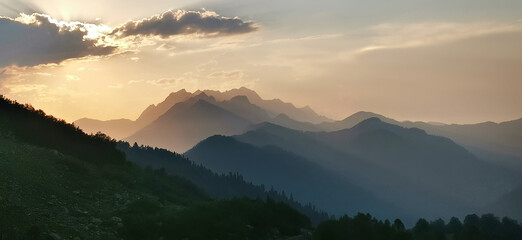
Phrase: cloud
(226, 74)
(116, 86)
(36, 39)
(135, 81)
(165, 47)
(183, 22)
(186, 80)
(44, 74)
(392, 36)
(165, 81)
(21, 88)
(72, 78)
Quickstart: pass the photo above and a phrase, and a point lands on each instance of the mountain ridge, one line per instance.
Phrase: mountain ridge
(186, 123)
(289, 172)
(503, 139)
(376, 154)
(267, 109)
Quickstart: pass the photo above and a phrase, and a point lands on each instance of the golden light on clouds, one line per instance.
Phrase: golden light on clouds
(114, 69)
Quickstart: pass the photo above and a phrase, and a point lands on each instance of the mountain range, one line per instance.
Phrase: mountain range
(241, 100)
(408, 168)
(366, 161)
(187, 123)
(498, 142)
(305, 180)
(501, 142)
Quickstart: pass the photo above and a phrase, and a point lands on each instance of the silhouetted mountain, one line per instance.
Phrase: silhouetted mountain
(241, 106)
(237, 104)
(238, 101)
(418, 156)
(501, 138)
(229, 94)
(186, 123)
(496, 142)
(220, 186)
(180, 128)
(122, 128)
(285, 121)
(508, 205)
(305, 114)
(428, 175)
(288, 172)
(275, 106)
(353, 120)
(153, 112)
(59, 183)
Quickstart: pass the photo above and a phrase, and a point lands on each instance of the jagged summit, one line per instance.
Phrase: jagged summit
(307, 108)
(204, 96)
(240, 99)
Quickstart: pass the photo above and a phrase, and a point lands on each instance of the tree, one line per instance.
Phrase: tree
(398, 225)
(454, 226)
(421, 229)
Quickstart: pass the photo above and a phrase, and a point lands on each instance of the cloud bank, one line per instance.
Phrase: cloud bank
(182, 22)
(31, 40)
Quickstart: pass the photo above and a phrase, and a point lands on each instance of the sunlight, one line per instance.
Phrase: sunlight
(256, 119)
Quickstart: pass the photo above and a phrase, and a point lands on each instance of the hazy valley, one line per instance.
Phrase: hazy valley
(260, 120)
(366, 162)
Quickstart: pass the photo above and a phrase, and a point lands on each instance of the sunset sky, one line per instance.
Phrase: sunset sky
(446, 61)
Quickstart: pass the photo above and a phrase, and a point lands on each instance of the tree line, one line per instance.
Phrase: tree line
(473, 227)
(35, 127)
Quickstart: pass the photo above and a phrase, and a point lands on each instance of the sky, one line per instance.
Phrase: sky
(444, 61)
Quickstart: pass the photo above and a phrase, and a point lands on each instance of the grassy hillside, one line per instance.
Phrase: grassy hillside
(59, 183)
(44, 191)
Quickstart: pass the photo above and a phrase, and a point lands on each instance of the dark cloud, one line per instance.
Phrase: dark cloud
(183, 22)
(36, 39)
(31, 40)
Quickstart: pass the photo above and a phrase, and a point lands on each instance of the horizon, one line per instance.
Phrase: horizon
(300, 107)
(256, 119)
(407, 61)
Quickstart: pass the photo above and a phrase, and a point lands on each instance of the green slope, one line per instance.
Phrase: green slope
(59, 183)
(46, 191)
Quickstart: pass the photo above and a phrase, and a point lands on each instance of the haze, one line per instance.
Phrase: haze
(445, 61)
